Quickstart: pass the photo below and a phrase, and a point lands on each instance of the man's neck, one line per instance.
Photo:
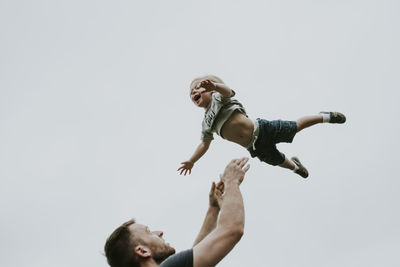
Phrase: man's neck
(149, 263)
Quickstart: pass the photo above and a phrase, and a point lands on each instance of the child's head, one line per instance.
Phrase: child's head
(196, 81)
(197, 95)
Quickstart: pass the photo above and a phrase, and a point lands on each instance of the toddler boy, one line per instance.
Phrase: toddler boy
(227, 117)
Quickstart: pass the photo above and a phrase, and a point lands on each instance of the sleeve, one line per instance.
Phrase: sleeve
(217, 96)
(181, 259)
(207, 136)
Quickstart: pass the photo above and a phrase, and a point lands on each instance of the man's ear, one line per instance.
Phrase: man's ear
(143, 251)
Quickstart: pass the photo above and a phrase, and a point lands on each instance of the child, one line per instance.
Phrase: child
(227, 117)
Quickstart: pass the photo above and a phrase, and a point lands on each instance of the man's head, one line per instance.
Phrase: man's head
(132, 243)
(197, 95)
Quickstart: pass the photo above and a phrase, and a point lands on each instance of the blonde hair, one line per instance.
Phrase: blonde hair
(212, 78)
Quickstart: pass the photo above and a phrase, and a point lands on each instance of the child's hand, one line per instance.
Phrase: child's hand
(207, 85)
(186, 166)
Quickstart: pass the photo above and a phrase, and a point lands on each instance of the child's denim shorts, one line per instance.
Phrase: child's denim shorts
(269, 134)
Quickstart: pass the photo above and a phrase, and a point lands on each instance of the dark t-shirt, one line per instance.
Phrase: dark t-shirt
(181, 259)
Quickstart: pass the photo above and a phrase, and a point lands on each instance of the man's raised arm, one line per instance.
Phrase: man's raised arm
(210, 221)
(230, 226)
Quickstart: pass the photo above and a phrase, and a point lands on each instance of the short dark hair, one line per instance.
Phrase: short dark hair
(119, 247)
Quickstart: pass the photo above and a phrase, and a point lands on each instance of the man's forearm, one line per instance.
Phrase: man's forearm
(226, 234)
(209, 224)
(232, 209)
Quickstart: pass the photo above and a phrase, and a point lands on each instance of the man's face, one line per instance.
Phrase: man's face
(200, 98)
(160, 250)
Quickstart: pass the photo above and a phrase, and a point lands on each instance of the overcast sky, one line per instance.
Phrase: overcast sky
(95, 118)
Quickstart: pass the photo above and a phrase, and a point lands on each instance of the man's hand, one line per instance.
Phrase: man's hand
(215, 195)
(235, 171)
(186, 167)
(207, 85)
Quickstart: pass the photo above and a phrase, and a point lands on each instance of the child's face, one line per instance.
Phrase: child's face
(200, 97)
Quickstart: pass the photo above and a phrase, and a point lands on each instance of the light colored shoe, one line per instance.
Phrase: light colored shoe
(336, 117)
(302, 171)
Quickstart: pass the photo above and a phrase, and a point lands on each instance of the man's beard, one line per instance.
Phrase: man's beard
(159, 254)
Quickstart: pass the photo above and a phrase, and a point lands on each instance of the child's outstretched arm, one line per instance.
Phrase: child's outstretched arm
(221, 88)
(200, 151)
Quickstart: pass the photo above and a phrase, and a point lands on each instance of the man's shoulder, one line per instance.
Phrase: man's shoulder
(181, 259)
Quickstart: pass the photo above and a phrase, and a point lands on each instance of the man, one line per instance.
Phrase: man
(133, 244)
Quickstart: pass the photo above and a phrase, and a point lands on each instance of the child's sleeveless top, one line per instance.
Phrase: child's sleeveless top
(219, 111)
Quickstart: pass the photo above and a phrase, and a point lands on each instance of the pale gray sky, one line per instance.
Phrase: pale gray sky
(95, 118)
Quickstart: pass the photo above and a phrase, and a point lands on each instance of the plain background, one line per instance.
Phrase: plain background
(95, 118)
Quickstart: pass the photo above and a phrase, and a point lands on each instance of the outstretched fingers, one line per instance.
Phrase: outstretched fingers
(212, 188)
(220, 185)
(243, 162)
(186, 167)
(246, 168)
(207, 85)
(235, 161)
(184, 170)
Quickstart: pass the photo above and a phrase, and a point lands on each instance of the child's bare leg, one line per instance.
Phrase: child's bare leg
(308, 121)
(323, 116)
(295, 165)
(288, 164)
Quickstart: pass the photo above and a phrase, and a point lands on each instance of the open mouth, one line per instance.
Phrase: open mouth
(196, 97)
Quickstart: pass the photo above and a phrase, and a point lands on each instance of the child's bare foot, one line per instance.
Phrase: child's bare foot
(333, 117)
(300, 170)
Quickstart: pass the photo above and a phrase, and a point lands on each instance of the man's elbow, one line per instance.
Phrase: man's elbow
(236, 234)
